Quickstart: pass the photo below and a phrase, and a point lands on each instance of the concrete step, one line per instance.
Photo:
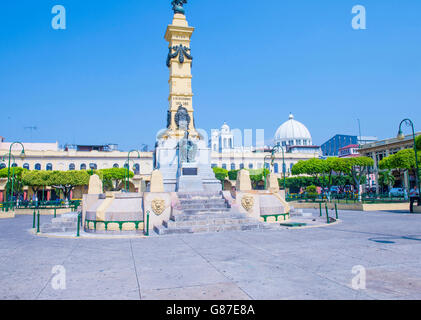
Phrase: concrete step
(206, 211)
(189, 217)
(207, 222)
(162, 230)
(56, 229)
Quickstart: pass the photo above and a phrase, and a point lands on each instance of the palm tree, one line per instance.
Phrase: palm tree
(386, 178)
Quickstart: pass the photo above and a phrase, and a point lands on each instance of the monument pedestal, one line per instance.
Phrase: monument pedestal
(186, 177)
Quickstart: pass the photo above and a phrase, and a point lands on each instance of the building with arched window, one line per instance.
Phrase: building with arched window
(49, 167)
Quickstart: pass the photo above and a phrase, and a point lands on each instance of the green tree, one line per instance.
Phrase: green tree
(418, 142)
(66, 181)
(16, 174)
(220, 174)
(36, 180)
(359, 167)
(232, 175)
(313, 167)
(404, 160)
(256, 176)
(113, 178)
(386, 178)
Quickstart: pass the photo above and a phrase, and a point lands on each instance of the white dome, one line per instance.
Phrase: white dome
(225, 128)
(293, 133)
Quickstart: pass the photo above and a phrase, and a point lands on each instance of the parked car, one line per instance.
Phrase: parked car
(334, 190)
(397, 192)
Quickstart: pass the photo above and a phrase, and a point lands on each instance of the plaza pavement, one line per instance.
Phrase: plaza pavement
(313, 263)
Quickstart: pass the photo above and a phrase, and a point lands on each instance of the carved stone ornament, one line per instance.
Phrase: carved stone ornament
(247, 202)
(158, 206)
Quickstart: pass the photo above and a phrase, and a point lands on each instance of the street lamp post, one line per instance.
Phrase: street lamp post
(10, 179)
(401, 136)
(10, 155)
(264, 169)
(277, 148)
(127, 172)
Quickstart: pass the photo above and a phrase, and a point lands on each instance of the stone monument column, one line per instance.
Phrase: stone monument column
(179, 62)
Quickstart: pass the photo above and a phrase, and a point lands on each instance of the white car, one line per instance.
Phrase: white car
(397, 192)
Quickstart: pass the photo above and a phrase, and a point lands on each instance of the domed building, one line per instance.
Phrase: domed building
(230, 150)
(293, 133)
(294, 137)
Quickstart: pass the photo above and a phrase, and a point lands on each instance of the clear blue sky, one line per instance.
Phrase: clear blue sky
(104, 79)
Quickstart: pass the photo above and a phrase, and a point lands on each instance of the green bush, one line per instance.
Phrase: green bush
(312, 192)
(220, 173)
(232, 175)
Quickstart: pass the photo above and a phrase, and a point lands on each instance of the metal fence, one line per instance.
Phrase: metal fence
(347, 198)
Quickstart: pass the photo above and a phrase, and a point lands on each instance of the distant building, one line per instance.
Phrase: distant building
(349, 151)
(293, 136)
(331, 147)
(384, 148)
(102, 148)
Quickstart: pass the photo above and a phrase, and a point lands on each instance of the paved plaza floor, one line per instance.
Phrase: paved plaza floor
(312, 263)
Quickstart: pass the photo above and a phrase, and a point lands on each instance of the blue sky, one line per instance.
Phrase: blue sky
(104, 79)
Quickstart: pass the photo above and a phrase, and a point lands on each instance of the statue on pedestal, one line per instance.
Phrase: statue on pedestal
(177, 6)
(187, 149)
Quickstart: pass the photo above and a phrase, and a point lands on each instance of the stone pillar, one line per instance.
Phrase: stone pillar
(95, 185)
(71, 194)
(48, 195)
(272, 183)
(406, 180)
(243, 181)
(157, 182)
(25, 195)
(1, 196)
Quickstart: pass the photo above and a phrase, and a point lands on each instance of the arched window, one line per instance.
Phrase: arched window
(93, 166)
(232, 166)
(136, 168)
(214, 165)
(230, 143)
(14, 165)
(2, 166)
(276, 168)
(49, 167)
(38, 166)
(72, 167)
(241, 166)
(116, 165)
(83, 166)
(126, 166)
(26, 166)
(250, 166)
(214, 147)
(224, 166)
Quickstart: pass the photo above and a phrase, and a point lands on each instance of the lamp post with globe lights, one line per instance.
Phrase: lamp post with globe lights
(401, 136)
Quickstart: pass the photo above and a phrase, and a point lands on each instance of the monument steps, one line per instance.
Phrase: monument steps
(207, 212)
(65, 223)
